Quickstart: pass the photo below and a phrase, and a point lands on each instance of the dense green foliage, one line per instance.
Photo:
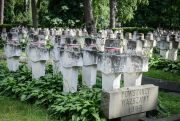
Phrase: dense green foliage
(7, 26)
(68, 13)
(47, 92)
(158, 13)
(65, 13)
(165, 65)
(138, 29)
(13, 110)
(101, 13)
(126, 9)
(15, 12)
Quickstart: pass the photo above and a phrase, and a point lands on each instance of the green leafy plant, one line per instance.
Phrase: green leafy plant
(48, 92)
(165, 65)
(84, 105)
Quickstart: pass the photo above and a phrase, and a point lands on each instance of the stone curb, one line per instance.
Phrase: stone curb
(172, 118)
(163, 84)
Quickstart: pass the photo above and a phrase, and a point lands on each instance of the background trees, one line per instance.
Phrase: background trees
(1, 11)
(112, 6)
(164, 13)
(34, 12)
(100, 13)
(67, 13)
(15, 13)
(89, 19)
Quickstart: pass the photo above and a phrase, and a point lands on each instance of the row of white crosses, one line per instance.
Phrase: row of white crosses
(116, 57)
(128, 60)
(38, 55)
(133, 53)
(12, 49)
(168, 43)
(67, 55)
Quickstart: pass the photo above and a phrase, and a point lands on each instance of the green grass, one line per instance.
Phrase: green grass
(13, 110)
(178, 58)
(1, 52)
(170, 102)
(163, 75)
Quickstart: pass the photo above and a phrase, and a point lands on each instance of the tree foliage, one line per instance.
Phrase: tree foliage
(15, 13)
(101, 13)
(164, 13)
(66, 13)
(126, 9)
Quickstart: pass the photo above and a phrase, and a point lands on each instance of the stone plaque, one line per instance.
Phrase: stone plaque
(129, 100)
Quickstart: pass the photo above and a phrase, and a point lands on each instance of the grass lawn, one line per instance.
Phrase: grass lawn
(1, 52)
(170, 102)
(178, 58)
(163, 75)
(13, 110)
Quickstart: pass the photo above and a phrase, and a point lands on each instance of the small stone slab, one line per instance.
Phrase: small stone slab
(129, 100)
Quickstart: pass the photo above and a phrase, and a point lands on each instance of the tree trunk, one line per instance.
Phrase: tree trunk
(90, 24)
(1, 11)
(112, 4)
(34, 12)
(26, 7)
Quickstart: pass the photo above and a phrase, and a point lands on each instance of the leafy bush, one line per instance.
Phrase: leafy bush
(165, 65)
(138, 29)
(81, 106)
(66, 13)
(2, 42)
(48, 92)
(7, 26)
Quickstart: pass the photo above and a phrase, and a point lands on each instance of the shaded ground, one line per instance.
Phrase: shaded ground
(159, 74)
(170, 103)
(13, 110)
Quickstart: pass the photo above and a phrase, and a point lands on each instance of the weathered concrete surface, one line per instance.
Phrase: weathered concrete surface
(129, 100)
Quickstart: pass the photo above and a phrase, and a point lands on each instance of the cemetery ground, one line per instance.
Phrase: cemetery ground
(163, 75)
(28, 95)
(13, 110)
(52, 68)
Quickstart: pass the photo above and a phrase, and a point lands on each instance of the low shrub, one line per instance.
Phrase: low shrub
(48, 92)
(159, 63)
(138, 29)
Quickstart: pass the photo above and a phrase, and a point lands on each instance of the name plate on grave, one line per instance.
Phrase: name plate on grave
(129, 100)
